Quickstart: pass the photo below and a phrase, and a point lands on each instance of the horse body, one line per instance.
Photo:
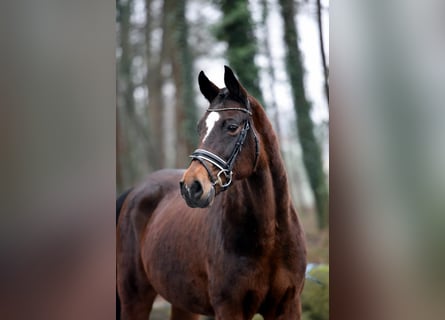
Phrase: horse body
(241, 252)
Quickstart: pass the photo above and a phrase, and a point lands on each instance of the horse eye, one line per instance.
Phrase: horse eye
(232, 127)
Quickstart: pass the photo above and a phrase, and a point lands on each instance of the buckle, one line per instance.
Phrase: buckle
(228, 175)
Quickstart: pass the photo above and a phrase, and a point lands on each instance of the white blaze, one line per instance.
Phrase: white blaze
(212, 118)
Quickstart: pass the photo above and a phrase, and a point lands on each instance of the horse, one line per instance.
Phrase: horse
(220, 238)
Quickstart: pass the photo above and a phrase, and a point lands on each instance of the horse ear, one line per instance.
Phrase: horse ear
(235, 88)
(207, 87)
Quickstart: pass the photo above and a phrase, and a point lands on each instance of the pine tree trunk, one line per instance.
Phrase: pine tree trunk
(238, 31)
(188, 77)
(312, 157)
(322, 51)
(155, 108)
(125, 100)
(120, 182)
(182, 72)
(270, 70)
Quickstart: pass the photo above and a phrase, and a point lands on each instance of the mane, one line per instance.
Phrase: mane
(218, 247)
(272, 154)
(263, 126)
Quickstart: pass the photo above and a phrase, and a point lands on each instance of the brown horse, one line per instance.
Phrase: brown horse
(235, 246)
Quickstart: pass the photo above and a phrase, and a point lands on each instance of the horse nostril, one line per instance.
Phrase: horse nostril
(196, 189)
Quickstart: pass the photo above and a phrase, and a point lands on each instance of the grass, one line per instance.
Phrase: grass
(317, 241)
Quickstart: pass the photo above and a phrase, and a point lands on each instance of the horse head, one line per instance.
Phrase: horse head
(228, 150)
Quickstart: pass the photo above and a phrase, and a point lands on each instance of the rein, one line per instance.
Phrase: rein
(226, 167)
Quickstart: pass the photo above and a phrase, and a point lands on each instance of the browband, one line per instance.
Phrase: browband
(225, 109)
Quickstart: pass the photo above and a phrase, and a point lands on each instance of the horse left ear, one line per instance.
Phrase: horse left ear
(232, 84)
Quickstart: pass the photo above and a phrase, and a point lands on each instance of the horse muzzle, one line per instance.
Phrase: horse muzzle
(194, 194)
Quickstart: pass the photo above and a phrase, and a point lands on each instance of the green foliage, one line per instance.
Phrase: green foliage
(315, 297)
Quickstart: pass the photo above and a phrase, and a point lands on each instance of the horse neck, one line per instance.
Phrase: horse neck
(264, 196)
(272, 163)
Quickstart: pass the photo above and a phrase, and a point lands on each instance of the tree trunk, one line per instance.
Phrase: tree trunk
(312, 157)
(322, 51)
(182, 73)
(270, 70)
(154, 79)
(125, 100)
(188, 129)
(238, 31)
(120, 182)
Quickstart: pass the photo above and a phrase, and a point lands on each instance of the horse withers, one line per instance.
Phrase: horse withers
(228, 241)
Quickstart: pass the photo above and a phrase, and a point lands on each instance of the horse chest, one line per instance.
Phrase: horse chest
(231, 254)
(256, 286)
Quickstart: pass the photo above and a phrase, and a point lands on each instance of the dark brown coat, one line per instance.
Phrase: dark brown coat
(242, 253)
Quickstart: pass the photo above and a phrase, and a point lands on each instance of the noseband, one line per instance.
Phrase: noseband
(226, 167)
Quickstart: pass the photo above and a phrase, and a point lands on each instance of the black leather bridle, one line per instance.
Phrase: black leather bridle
(226, 167)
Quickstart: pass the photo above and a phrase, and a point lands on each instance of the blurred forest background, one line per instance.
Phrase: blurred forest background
(279, 51)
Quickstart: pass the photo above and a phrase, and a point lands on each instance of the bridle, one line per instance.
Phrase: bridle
(226, 167)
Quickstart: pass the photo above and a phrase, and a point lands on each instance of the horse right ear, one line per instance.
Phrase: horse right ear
(207, 87)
